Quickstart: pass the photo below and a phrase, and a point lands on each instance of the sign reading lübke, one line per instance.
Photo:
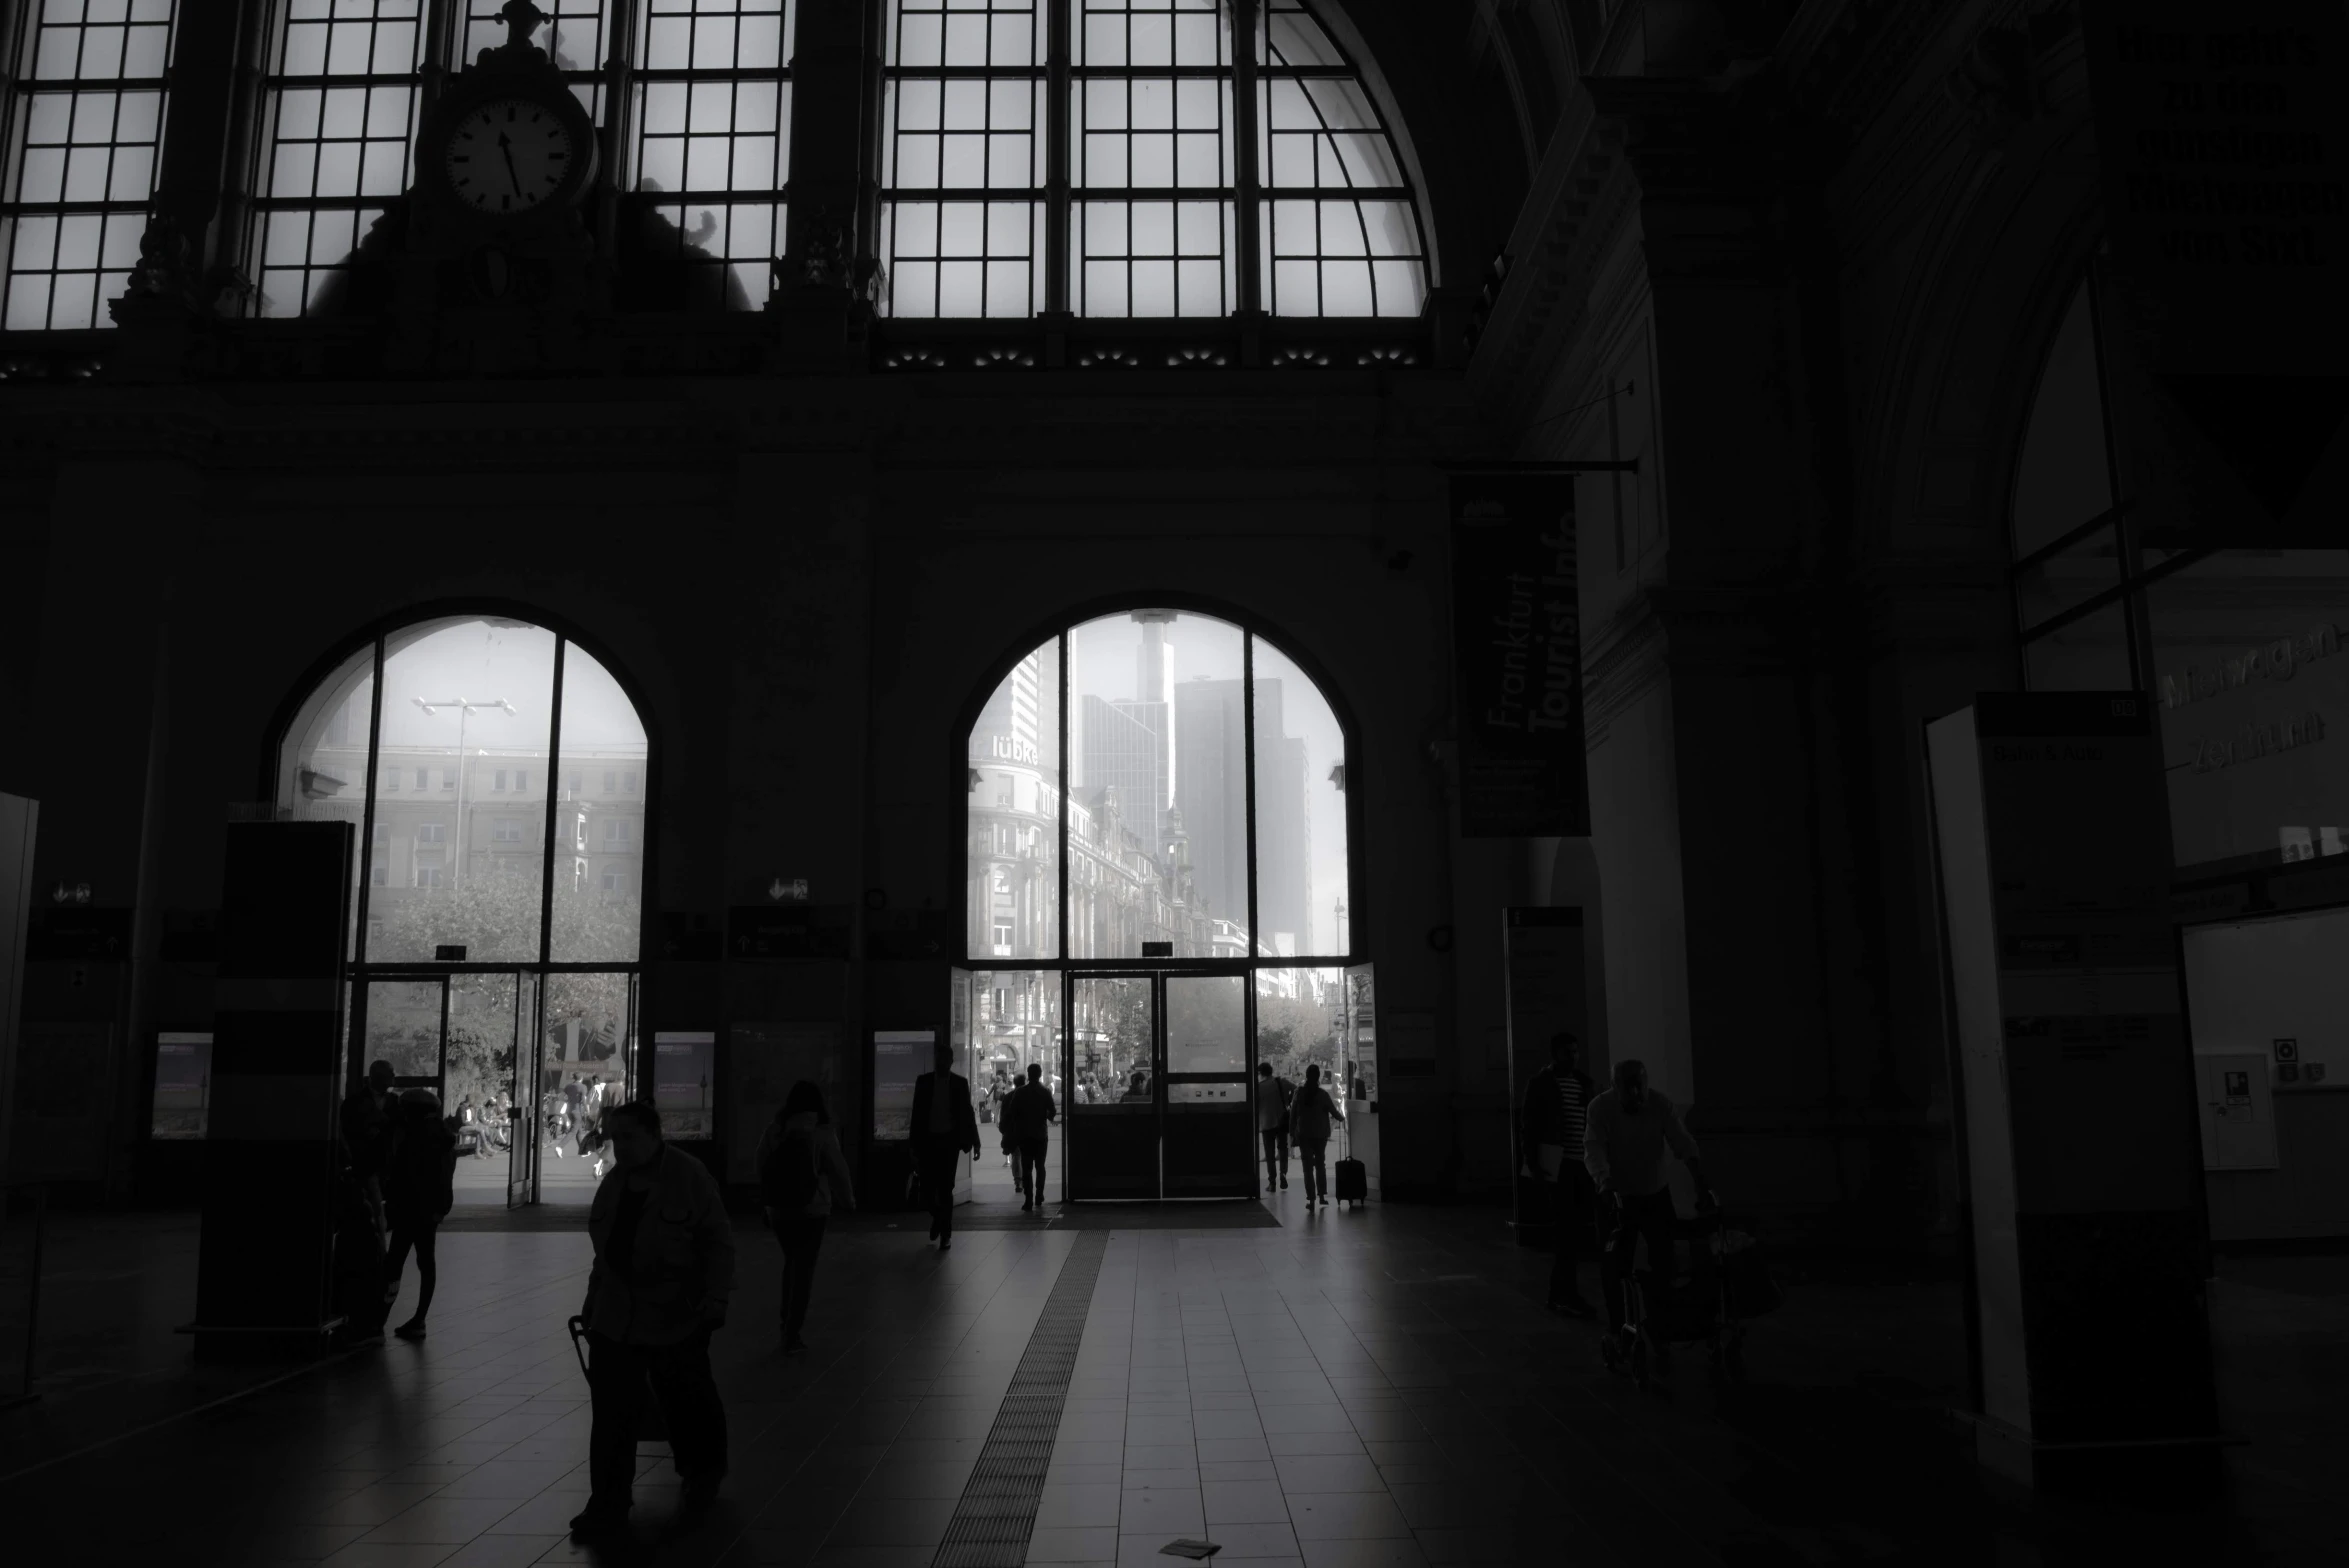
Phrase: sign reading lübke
(1517, 650)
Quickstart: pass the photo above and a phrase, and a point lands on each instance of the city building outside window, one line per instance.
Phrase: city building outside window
(82, 154)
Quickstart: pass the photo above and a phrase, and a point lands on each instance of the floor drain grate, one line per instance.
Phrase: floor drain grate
(997, 1513)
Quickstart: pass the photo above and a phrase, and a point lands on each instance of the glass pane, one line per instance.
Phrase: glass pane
(2250, 677)
(2061, 581)
(456, 859)
(403, 1026)
(1014, 1022)
(2062, 479)
(599, 884)
(1111, 1034)
(2091, 654)
(322, 764)
(1014, 814)
(1301, 1021)
(480, 1081)
(183, 1085)
(1158, 813)
(585, 1051)
(1207, 1027)
(1300, 812)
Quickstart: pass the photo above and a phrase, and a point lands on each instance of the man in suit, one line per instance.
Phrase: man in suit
(943, 1126)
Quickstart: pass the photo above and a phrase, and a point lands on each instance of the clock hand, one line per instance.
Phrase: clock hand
(507, 149)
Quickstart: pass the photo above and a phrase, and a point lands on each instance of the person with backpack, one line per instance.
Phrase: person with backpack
(418, 1191)
(802, 1176)
(1274, 1096)
(1028, 1115)
(1311, 1115)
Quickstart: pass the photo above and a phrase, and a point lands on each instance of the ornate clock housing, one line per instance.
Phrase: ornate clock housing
(507, 148)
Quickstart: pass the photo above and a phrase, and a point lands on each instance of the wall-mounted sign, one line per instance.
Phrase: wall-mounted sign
(788, 931)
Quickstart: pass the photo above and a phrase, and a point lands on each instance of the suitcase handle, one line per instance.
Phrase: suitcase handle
(578, 1328)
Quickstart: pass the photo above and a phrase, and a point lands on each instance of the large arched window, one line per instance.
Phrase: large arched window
(497, 774)
(1159, 897)
(1204, 806)
(1131, 158)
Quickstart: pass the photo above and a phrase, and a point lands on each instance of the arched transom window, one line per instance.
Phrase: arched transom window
(1123, 158)
(1158, 777)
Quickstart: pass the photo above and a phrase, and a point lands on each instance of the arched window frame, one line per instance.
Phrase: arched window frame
(559, 854)
(1055, 239)
(1071, 872)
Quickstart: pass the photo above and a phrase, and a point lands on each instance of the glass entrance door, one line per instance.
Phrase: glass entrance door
(459, 1034)
(1157, 1069)
(1208, 1120)
(585, 1063)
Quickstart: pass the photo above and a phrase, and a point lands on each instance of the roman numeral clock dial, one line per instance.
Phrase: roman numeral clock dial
(508, 156)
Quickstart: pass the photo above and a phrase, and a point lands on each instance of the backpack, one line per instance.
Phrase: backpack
(787, 1177)
(1288, 1094)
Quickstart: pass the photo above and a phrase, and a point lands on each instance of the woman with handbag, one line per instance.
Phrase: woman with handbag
(802, 1176)
(418, 1191)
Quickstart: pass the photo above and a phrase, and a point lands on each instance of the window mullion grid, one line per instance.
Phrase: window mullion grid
(1059, 123)
(1247, 213)
(554, 780)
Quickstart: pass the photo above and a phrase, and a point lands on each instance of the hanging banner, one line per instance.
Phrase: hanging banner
(1517, 651)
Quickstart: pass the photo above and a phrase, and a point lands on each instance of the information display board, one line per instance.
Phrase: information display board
(899, 1057)
(684, 1070)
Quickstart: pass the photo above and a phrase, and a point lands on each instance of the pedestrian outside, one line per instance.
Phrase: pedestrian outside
(1029, 1113)
(1550, 1127)
(944, 1125)
(1311, 1117)
(1274, 1095)
(803, 1178)
(1628, 1133)
(663, 1271)
(418, 1191)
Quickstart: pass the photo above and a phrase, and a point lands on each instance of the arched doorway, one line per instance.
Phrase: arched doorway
(1159, 895)
(497, 774)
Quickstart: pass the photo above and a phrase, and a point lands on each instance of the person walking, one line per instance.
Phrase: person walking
(1550, 1125)
(803, 1177)
(1028, 1117)
(1624, 1140)
(418, 1191)
(1310, 1117)
(1274, 1095)
(943, 1126)
(664, 1269)
(365, 1127)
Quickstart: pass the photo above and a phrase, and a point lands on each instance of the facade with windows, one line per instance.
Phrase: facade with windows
(991, 441)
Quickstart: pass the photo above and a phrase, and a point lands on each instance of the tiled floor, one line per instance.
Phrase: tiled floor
(1372, 1388)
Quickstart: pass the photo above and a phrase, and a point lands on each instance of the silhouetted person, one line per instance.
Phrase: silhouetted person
(944, 1125)
(1311, 1116)
(418, 1191)
(1550, 1125)
(365, 1127)
(1274, 1095)
(664, 1267)
(1138, 1088)
(1624, 1142)
(1028, 1115)
(803, 1177)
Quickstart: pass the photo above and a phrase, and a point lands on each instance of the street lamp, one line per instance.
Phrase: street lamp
(465, 711)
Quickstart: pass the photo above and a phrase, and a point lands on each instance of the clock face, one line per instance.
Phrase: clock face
(508, 156)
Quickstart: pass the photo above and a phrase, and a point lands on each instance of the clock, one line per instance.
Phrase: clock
(509, 155)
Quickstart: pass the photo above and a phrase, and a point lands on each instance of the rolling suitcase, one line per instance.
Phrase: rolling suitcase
(1350, 1183)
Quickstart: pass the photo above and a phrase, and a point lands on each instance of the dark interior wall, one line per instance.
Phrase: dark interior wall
(807, 625)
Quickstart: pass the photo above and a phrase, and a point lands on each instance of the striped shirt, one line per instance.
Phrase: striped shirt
(1572, 1093)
